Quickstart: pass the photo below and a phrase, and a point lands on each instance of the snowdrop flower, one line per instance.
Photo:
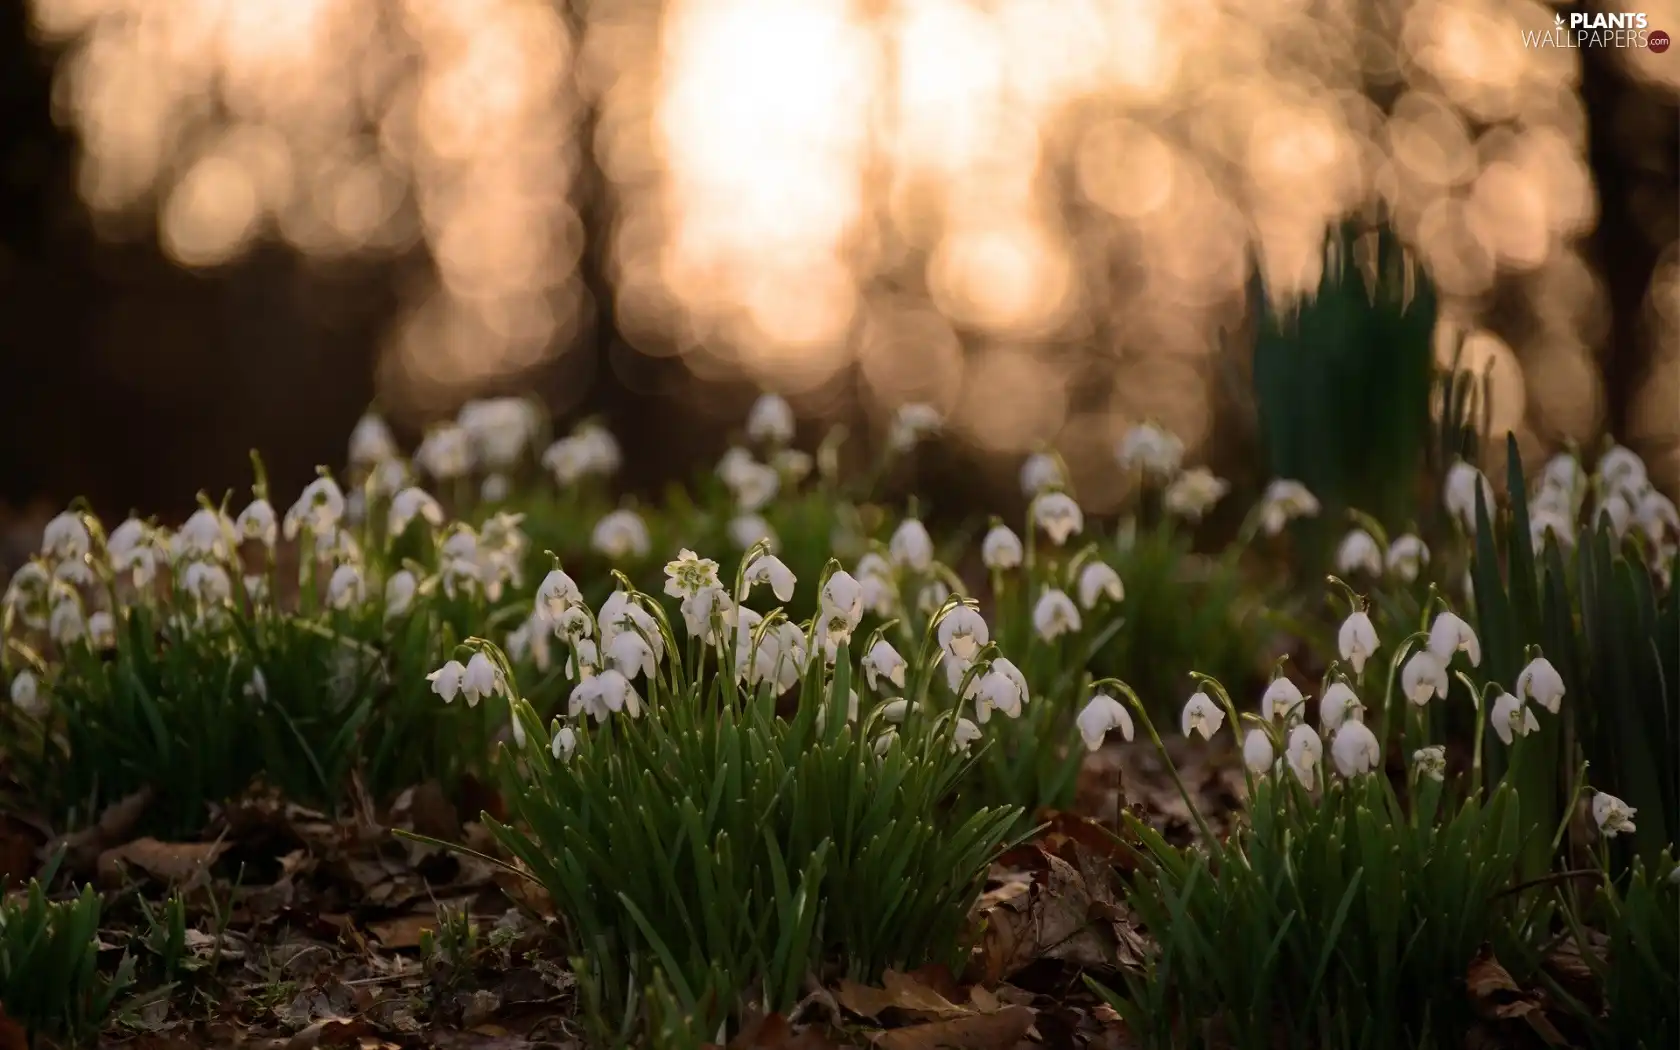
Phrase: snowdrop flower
(102, 630)
(1544, 522)
(621, 534)
(557, 594)
(1001, 549)
(1055, 615)
(445, 453)
(409, 504)
(481, 680)
(911, 424)
(1152, 449)
(529, 641)
(1099, 717)
(932, 597)
(1003, 688)
(447, 680)
(573, 458)
(964, 735)
(1564, 475)
(963, 633)
(1058, 515)
(841, 604)
(1282, 701)
(346, 588)
(1424, 677)
(1357, 640)
(208, 584)
(1541, 683)
(257, 522)
(256, 688)
(1459, 496)
(206, 534)
(1510, 717)
(1358, 553)
(1098, 580)
(1201, 715)
(851, 711)
(76, 573)
(459, 560)
(132, 552)
(770, 420)
(499, 429)
(792, 465)
(584, 659)
(1039, 472)
(564, 744)
(66, 537)
(875, 576)
(319, 509)
(1656, 516)
(1621, 470)
(371, 442)
(753, 485)
(883, 661)
(1304, 755)
(1431, 762)
(1450, 634)
(1339, 705)
(1355, 750)
(388, 478)
(1612, 815)
(66, 624)
(1283, 502)
(1407, 556)
(911, 547)
(895, 710)
(689, 574)
(767, 568)
(1258, 754)
(601, 695)
(628, 653)
(1194, 493)
(622, 614)
(399, 593)
(1619, 512)
(748, 529)
(699, 610)
(256, 587)
(26, 695)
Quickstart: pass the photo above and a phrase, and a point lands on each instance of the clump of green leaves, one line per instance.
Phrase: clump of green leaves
(50, 980)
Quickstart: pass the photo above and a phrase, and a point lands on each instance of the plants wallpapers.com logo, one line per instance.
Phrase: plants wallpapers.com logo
(1581, 29)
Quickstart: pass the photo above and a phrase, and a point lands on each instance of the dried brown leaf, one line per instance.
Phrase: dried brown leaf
(170, 862)
(994, 1031)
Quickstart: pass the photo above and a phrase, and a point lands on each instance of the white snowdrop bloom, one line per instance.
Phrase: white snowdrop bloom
(784, 657)
(770, 420)
(571, 459)
(206, 534)
(883, 661)
(584, 659)
(530, 641)
(1059, 516)
(884, 743)
(1283, 501)
(1304, 754)
(1552, 501)
(1002, 688)
(102, 630)
(963, 633)
(409, 504)
(792, 465)
(208, 584)
(851, 711)
(481, 680)
(74, 573)
(964, 735)
(459, 561)
(1258, 754)
(1356, 640)
(1201, 715)
(371, 442)
(895, 710)
(601, 695)
(67, 623)
(932, 597)
(132, 552)
(1355, 750)
(1431, 762)
(1338, 706)
(911, 547)
(256, 687)
(258, 522)
(445, 453)
(911, 423)
(1612, 815)
(499, 429)
(27, 593)
(621, 534)
(557, 594)
(1055, 615)
(447, 680)
(748, 529)
(622, 614)
(1097, 581)
(1541, 683)
(873, 564)
(1459, 493)
(1282, 701)
(769, 569)
(1511, 717)
(1621, 470)
(1407, 556)
(1359, 553)
(388, 478)
(1193, 493)
(66, 537)
(754, 485)
(1099, 717)
(399, 593)
(1450, 634)
(355, 507)
(1039, 472)
(256, 587)
(1001, 550)
(1615, 509)
(1152, 449)
(840, 605)
(27, 696)
(604, 455)
(700, 609)
(880, 593)
(346, 588)
(1656, 516)
(630, 655)
(319, 508)
(1565, 475)
(564, 744)
(689, 574)
(1424, 678)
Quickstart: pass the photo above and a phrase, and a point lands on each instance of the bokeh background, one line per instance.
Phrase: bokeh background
(231, 224)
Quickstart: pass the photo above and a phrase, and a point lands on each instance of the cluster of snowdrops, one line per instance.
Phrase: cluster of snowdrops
(723, 798)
